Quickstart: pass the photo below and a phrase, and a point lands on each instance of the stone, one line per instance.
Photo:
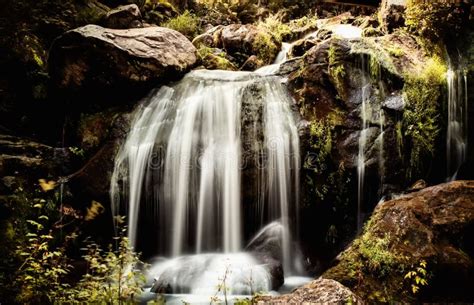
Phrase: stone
(434, 225)
(92, 180)
(320, 291)
(96, 57)
(123, 17)
(19, 156)
(394, 102)
(241, 41)
(392, 14)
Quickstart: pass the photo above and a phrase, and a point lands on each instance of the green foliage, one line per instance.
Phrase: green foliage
(187, 24)
(376, 251)
(39, 271)
(112, 275)
(422, 93)
(77, 151)
(212, 60)
(274, 25)
(40, 276)
(417, 277)
(265, 47)
(433, 19)
(321, 144)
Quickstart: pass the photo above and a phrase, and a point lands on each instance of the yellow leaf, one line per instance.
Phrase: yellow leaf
(47, 185)
(94, 210)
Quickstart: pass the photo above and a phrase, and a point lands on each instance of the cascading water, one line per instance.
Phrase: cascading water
(370, 111)
(456, 140)
(362, 141)
(181, 166)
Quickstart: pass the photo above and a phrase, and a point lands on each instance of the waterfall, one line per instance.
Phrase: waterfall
(181, 165)
(362, 140)
(456, 140)
(371, 94)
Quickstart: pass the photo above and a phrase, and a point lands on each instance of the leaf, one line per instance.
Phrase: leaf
(94, 210)
(43, 217)
(38, 206)
(414, 289)
(47, 185)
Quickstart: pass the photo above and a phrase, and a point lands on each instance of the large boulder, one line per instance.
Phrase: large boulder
(97, 57)
(418, 247)
(320, 291)
(241, 41)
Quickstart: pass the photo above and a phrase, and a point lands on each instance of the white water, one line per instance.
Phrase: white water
(370, 111)
(281, 58)
(200, 274)
(456, 140)
(362, 140)
(180, 169)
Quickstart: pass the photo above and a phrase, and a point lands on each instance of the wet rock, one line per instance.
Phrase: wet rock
(268, 241)
(418, 186)
(432, 228)
(123, 17)
(202, 273)
(320, 291)
(394, 102)
(93, 57)
(252, 63)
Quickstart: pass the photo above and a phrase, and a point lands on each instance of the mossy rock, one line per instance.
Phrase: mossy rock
(401, 256)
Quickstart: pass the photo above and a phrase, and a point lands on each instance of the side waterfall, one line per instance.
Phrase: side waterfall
(456, 140)
(181, 165)
(371, 95)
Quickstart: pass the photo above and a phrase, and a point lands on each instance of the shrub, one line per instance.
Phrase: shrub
(40, 275)
(186, 23)
(276, 27)
(112, 275)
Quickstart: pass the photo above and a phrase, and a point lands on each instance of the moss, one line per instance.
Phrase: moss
(186, 23)
(420, 124)
(264, 46)
(371, 267)
(212, 60)
(433, 19)
(337, 74)
(395, 51)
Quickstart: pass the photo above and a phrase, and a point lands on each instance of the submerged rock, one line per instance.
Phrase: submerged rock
(429, 232)
(320, 291)
(93, 56)
(203, 273)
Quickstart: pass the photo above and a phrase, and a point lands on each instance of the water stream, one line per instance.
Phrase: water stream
(456, 140)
